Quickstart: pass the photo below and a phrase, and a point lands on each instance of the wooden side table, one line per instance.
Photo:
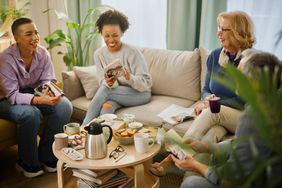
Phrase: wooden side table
(132, 164)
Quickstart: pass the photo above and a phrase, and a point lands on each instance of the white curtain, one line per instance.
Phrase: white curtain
(266, 16)
(147, 20)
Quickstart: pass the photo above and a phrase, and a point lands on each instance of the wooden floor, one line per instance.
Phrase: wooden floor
(10, 178)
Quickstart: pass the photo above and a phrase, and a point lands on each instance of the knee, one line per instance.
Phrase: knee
(64, 107)
(107, 106)
(192, 182)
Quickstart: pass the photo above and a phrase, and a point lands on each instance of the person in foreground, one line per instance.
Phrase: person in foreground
(24, 66)
(235, 32)
(243, 151)
(131, 86)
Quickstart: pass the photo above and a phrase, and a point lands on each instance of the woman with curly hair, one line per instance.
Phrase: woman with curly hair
(132, 85)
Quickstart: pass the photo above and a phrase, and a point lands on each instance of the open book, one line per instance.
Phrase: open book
(175, 144)
(51, 86)
(175, 114)
(115, 68)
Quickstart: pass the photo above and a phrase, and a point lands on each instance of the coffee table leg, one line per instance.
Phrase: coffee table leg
(60, 174)
(139, 176)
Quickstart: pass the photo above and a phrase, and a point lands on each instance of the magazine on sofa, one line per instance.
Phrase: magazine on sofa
(175, 114)
(51, 86)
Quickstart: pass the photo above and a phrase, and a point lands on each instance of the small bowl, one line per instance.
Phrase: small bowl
(135, 125)
(124, 140)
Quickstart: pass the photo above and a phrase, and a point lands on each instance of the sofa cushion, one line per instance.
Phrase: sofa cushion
(147, 113)
(71, 85)
(88, 79)
(204, 57)
(174, 73)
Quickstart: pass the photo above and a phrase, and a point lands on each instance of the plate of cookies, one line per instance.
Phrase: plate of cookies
(125, 136)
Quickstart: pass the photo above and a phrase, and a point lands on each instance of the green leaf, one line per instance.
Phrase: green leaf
(72, 25)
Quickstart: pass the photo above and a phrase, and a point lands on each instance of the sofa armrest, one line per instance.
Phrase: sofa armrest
(71, 85)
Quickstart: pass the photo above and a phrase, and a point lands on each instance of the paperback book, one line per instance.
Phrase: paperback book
(49, 86)
(175, 144)
(115, 68)
(119, 179)
(98, 180)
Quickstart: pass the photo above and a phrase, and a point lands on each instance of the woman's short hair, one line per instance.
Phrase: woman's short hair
(19, 22)
(112, 17)
(258, 60)
(241, 27)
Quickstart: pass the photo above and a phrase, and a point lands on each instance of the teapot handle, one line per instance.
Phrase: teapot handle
(111, 133)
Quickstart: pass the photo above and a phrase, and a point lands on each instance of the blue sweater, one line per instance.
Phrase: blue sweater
(228, 98)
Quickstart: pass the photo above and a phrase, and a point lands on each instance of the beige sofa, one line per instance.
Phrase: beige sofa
(178, 77)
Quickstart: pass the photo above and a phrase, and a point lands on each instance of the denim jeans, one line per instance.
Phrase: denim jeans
(117, 97)
(28, 119)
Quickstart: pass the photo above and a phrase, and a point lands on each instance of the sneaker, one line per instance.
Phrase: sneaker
(49, 167)
(28, 171)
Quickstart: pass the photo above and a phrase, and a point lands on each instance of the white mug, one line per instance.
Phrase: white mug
(61, 140)
(142, 142)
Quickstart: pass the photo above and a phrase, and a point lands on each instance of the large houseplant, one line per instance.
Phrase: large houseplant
(262, 96)
(78, 39)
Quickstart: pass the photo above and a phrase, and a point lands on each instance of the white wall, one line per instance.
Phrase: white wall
(47, 23)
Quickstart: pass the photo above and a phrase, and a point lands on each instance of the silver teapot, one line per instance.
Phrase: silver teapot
(96, 143)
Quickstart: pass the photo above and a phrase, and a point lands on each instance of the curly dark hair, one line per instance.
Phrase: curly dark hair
(112, 17)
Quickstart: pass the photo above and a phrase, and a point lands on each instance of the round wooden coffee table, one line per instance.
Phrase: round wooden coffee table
(134, 164)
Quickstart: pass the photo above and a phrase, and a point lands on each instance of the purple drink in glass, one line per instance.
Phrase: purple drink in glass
(214, 104)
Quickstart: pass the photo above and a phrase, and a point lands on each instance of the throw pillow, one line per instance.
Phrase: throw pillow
(204, 57)
(88, 79)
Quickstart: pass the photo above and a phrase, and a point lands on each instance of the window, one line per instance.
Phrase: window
(147, 20)
(266, 16)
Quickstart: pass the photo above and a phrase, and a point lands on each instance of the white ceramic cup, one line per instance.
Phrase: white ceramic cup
(61, 141)
(142, 142)
(72, 128)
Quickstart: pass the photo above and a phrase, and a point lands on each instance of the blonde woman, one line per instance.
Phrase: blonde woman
(235, 32)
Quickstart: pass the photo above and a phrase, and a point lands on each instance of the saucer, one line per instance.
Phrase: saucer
(108, 116)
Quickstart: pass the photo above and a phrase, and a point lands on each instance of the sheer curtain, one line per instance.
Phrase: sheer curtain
(147, 20)
(266, 16)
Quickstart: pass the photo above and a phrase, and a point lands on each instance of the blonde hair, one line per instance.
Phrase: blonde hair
(241, 27)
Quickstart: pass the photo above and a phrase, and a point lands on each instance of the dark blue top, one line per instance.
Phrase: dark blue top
(228, 98)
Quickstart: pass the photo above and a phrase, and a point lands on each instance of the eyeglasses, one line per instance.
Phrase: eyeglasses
(220, 29)
(116, 153)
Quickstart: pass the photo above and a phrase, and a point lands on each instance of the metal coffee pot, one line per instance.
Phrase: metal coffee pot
(96, 143)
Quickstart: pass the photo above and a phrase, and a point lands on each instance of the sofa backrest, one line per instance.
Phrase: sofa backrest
(175, 73)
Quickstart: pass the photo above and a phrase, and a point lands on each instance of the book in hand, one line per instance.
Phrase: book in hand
(114, 68)
(175, 114)
(99, 180)
(175, 144)
(51, 86)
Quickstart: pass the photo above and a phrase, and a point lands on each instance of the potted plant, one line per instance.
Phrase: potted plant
(79, 38)
(9, 13)
(262, 96)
